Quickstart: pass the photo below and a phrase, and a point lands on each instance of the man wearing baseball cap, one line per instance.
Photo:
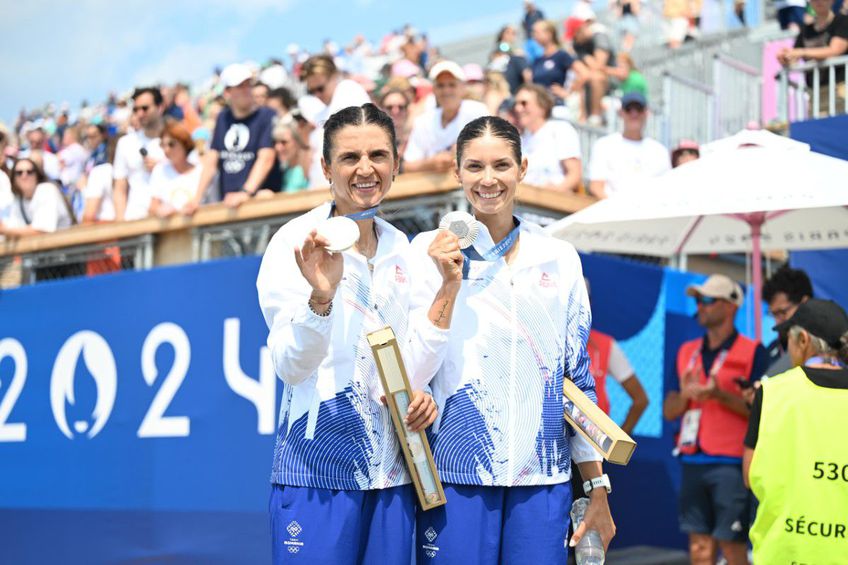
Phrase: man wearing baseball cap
(796, 458)
(712, 372)
(435, 131)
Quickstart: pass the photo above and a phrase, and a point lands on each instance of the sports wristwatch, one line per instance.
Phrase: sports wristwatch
(597, 482)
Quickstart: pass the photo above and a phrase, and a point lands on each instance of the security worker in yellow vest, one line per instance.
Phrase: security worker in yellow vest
(796, 456)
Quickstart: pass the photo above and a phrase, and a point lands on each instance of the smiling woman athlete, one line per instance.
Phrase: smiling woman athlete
(340, 491)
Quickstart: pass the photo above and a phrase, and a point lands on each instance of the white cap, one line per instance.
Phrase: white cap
(583, 12)
(235, 74)
(718, 286)
(447, 67)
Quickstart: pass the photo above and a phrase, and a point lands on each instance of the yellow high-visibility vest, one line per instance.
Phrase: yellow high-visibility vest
(799, 473)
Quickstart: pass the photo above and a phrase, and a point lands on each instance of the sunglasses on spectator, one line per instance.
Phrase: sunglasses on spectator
(24, 172)
(281, 141)
(143, 108)
(706, 300)
(169, 144)
(522, 103)
(782, 313)
(398, 107)
(316, 90)
(634, 108)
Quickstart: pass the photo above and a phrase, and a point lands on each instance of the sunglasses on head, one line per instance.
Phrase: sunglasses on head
(706, 300)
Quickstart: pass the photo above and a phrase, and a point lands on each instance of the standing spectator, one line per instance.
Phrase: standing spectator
(136, 155)
(242, 150)
(293, 155)
(39, 205)
(687, 150)
(531, 15)
(174, 180)
(324, 82)
(261, 93)
(95, 142)
(784, 292)
(606, 358)
(506, 61)
(395, 100)
(97, 192)
(72, 157)
(595, 53)
(550, 69)
(620, 161)
(551, 146)
(790, 14)
(711, 370)
(825, 37)
(794, 458)
(434, 132)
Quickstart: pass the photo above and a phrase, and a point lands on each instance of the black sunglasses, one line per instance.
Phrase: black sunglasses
(143, 108)
(706, 300)
(316, 90)
(22, 172)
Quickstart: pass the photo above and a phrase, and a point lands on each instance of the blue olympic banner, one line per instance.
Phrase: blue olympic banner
(138, 410)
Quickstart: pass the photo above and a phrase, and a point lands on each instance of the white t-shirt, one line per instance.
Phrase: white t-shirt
(99, 185)
(347, 93)
(171, 187)
(46, 211)
(624, 163)
(129, 164)
(618, 365)
(49, 163)
(6, 195)
(72, 159)
(546, 149)
(428, 137)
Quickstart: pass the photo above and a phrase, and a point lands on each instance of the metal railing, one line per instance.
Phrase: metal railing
(739, 94)
(800, 101)
(688, 110)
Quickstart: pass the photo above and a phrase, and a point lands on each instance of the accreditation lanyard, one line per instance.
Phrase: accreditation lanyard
(356, 216)
(492, 254)
(691, 422)
(819, 360)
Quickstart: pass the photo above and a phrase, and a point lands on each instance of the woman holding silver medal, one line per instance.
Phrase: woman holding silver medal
(520, 327)
(340, 492)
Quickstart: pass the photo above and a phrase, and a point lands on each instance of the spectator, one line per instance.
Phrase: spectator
(261, 93)
(550, 69)
(607, 358)
(508, 62)
(97, 191)
(595, 53)
(474, 85)
(72, 157)
(39, 205)
(136, 155)
(711, 370)
(790, 14)
(182, 99)
(5, 148)
(281, 101)
(627, 23)
(677, 14)
(631, 80)
(293, 155)
(174, 180)
(687, 150)
(532, 15)
(95, 142)
(784, 292)
(495, 91)
(39, 146)
(324, 82)
(794, 458)
(242, 150)
(551, 146)
(434, 133)
(395, 100)
(172, 109)
(825, 37)
(620, 161)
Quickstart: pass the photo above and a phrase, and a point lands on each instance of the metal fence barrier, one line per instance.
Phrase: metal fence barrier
(739, 94)
(824, 97)
(688, 110)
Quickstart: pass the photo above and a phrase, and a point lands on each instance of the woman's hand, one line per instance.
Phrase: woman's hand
(598, 518)
(445, 252)
(422, 411)
(321, 269)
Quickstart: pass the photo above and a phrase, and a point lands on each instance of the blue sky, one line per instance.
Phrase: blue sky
(67, 51)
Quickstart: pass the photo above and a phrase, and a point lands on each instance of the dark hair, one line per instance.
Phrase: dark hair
(285, 97)
(793, 282)
(40, 177)
(543, 97)
(842, 352)
(263, 85)
(357, 116)
(152, 90)
(491, 125)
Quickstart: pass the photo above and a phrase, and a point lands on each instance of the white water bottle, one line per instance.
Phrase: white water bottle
(590, 549)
